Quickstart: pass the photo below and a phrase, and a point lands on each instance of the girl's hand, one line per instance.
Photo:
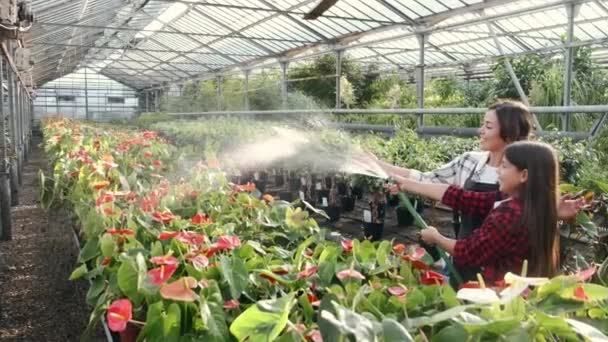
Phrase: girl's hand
(430, 235)
(569, 208)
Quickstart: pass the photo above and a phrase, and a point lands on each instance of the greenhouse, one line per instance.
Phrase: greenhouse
(304, 170)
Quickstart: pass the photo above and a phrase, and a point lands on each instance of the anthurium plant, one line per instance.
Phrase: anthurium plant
(189, 256)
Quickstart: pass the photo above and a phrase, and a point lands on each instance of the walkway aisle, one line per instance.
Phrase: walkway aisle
(37, 301)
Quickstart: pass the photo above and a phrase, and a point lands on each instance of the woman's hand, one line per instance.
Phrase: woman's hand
(430, 235)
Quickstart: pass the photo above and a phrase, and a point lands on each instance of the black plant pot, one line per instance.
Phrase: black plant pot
(392, 200)
(404, 218)
(320, 195)
(358, 192)
(348, 203)
(286, 196)
(294, 184)
(261, 186)
(341, 188)
(279, 179)
(373, 231)
(333, 213)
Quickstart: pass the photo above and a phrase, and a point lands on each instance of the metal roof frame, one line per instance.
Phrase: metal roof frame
(240, 35)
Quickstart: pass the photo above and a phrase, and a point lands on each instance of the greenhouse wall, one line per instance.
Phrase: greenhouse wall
(75, 94)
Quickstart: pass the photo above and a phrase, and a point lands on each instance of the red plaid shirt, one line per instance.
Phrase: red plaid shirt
(501, 244)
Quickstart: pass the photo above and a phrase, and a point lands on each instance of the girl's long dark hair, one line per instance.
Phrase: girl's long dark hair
(540, 200)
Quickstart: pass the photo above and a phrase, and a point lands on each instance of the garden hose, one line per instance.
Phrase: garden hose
(419, 222)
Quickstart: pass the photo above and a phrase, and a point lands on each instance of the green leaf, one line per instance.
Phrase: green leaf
(451, 333)
(449, 297)
(602, 272)
(171, 323)
(587, 330)
(257, 323)
(555, 285)
(328, 330)
(326, 272)
(350, 323)
(593, 292)
(90, 250)
(153, 331)
(382, 253)
(602, 185)
(307, 308)
(79, 272)
(393, 331)
(568, 188)
(436, 318)
(299, 252)
(157, 249)
(556, 324)
(108, 246)
(415, 298)
(584, 221)
(97, 286)
(235, 274)
(128, 280)
(214, 320)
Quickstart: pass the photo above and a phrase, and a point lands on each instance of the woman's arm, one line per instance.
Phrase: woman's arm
(430, 190)
(431, 236)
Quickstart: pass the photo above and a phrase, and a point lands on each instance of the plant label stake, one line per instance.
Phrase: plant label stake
(419, 222)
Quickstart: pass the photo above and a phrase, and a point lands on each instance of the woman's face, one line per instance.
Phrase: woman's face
(510, 178)
(489, 133)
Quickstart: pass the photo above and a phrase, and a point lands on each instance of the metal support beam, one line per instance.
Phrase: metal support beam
(147, 102)
(247, 105)
(284, 66)
(422, 39)
(572, 11)
(219, 92)
(86, 95)
(5, 194)
(339, 55)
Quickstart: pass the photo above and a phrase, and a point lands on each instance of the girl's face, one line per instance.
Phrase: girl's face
(489, 134)
(510, 178)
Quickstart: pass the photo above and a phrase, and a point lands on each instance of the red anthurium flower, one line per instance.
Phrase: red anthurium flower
(167, 235)
(397, 291)
(161, 274)
(199, 261)
(150, 135)
(191, 238)
(308, 272)
(585, 275)
(109, 211)
(579, 293)
(148, 154)
(164, 260)
(314, 336)
(347, 245)
(106, 261)
(415, 263)
(115, 231)
(399, 248)
(281, 270)
(157, 163)
(226, 242)
(313, 300)
(246, 187)
(119, 314)
(104, 198)
(231, 304)
(432, 278)
(308, 253)
(100, 184)
(193, 194)
(165, 217)
(470, 285)
(200, 218)
(350, 274)
(149, 202)
(268, 277)
(180, 290)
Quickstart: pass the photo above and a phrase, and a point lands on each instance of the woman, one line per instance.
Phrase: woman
(504, 123)
(521, 217)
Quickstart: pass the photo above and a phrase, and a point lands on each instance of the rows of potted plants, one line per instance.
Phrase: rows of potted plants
(184, 256)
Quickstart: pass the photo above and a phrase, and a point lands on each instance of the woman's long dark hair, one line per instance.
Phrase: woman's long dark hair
(540, 200)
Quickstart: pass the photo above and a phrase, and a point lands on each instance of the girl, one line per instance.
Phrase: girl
(521, 218)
